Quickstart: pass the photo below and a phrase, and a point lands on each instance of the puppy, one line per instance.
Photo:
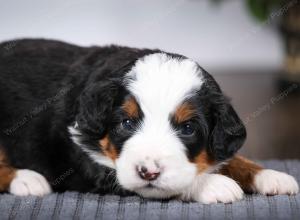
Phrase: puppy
(121, 120)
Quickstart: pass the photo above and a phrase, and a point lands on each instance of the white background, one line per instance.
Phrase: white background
(217, 36)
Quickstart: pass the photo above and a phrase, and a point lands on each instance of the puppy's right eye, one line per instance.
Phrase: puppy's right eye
(128, 124)
(187, 129)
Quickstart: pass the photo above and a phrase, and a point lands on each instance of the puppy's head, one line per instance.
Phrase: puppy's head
(162, 124)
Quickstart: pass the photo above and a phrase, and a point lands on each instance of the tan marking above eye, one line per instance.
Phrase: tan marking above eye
(184, 112)
(130, 106)
(108, 148)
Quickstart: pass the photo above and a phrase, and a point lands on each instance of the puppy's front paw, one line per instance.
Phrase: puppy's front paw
(213, 188)
(271, 182)
(219, 188)
(28, 182)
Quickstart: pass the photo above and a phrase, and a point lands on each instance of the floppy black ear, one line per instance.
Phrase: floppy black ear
(95, 107)
(228, 132)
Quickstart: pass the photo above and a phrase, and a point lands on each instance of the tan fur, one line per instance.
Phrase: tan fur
(108, 148)
(7, 173)
(242, 171)
(130, 106)
(203, 162)
(184, 112)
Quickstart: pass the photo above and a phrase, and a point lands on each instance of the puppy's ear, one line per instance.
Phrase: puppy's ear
(228, 132)
(95, 107)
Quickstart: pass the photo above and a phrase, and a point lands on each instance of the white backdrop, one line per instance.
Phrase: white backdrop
(218, 37)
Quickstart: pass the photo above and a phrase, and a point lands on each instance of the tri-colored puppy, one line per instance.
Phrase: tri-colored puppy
(120, 120)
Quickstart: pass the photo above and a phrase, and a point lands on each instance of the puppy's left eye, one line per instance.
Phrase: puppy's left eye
(128, 124)
(187, 129)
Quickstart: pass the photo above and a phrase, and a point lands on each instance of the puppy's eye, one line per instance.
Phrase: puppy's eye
(128, 124)
(187, 129)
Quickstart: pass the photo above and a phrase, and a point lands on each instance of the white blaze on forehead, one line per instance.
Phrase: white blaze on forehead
(161, 82)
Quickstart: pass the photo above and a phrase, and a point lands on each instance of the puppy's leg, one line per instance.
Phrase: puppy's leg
(253, 178)
(21, 182)
(29, 182)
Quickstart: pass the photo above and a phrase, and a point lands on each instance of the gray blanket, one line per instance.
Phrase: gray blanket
(72, 205)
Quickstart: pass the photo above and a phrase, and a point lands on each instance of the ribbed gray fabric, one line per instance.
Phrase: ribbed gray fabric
(72, 205)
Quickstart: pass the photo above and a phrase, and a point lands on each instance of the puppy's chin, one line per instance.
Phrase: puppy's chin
(156, 193)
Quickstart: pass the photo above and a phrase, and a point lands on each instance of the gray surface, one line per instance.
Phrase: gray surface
(72, 205)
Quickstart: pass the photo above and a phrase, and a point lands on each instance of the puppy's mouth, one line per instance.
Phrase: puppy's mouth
(150, 186)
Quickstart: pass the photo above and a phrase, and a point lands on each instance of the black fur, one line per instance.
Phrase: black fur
(227, 132)
(45, 86)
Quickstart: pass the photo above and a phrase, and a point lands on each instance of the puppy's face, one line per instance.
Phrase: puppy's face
(165, 123)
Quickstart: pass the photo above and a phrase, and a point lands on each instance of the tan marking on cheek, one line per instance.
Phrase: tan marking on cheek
(130, 106)
(108, 148)
(203, 162)
(7, 173)
(184, 112)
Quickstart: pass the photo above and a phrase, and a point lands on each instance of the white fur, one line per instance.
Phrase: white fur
(75, 134)
(271, 182)
(213, 188)
(159, 83)
(95, 156)
(28, 182)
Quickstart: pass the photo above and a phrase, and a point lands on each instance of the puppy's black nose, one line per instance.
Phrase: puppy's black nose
(145, 174)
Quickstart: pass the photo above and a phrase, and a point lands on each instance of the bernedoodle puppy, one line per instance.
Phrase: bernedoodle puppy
(120, 120)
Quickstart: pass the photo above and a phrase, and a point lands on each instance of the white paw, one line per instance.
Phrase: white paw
(28, 182)
(271, 182)
(213, 188)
